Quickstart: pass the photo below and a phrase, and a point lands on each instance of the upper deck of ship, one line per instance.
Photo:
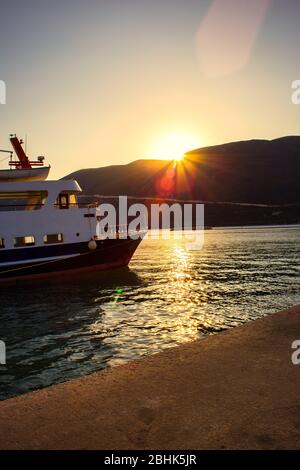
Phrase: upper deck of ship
(49, 186)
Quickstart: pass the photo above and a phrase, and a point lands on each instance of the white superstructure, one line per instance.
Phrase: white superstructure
(40, 211)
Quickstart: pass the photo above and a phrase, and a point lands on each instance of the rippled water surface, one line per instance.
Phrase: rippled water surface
(61, 330)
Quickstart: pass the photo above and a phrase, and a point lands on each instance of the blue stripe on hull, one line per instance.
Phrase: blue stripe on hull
(24, 254)
(109, 253)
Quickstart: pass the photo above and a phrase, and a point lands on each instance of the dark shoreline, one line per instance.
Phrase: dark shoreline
(216, 214)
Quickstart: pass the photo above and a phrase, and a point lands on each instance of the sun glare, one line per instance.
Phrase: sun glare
(174, 145)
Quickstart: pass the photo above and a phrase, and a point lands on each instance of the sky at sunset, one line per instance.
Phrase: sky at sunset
(99, 82)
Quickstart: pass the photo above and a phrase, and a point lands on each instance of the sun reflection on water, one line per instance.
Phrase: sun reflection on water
(169, 295)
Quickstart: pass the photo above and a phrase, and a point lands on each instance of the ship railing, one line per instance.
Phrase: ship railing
(78, 205)
(120, 231)
(19, 207)
(23, 207)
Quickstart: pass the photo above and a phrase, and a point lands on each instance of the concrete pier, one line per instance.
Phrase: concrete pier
(233, 390)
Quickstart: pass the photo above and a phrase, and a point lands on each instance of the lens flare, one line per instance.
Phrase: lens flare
(220, 52)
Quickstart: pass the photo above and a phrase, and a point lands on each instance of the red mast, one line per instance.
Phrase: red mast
(24, 160)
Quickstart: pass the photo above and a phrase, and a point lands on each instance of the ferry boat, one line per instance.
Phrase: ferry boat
(45, 231)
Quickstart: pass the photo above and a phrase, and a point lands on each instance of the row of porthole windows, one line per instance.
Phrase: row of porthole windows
(29, 240)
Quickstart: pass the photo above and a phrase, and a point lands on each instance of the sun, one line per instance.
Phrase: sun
(173, 145)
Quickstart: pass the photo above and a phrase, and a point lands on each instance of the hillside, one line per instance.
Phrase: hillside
(255, 171)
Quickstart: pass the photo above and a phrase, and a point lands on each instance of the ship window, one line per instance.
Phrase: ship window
(62, 201)
(53, 238)
(2, 244)
(28, 240)
(66, 200)
(73, 200)
(22, 200)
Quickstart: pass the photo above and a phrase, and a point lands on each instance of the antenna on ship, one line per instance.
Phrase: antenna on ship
(17, 146)
(24, 162)
(23, 169)
(6, 151)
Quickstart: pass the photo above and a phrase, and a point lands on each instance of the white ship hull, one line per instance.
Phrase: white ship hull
(25, 174)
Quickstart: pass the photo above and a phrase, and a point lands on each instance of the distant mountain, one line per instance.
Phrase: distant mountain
(254, 171)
